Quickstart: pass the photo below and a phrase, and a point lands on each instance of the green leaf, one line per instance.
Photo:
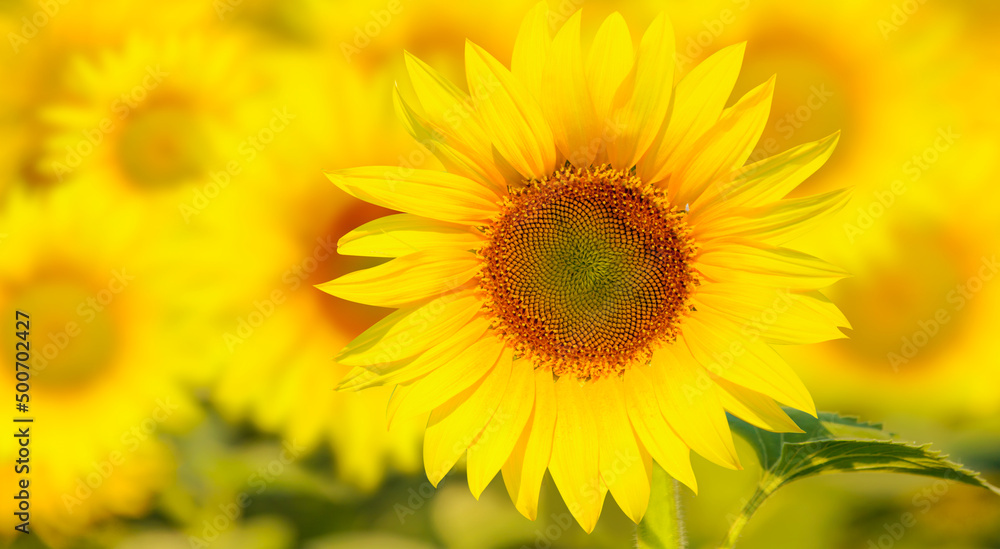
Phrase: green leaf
(828, 425)
(835, 444)
(661, 527)
(805, 459)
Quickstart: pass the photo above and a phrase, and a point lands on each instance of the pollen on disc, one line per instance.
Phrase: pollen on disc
(587, 270)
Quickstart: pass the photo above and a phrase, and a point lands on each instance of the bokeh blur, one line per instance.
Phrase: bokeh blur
(164, 217)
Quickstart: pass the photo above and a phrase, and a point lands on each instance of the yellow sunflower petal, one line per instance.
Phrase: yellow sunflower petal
(776, 315)
(399, 394)
(766, 266)
(822, 307)
(565, 97)
(766, 181)
(407, 369)
(698, 102)
(575, 465)
(778, 222)
(726, 146)
(745, 361)
(453, 376)
(402, 234)
(625, 465)
(693, 410)
(456, 157)
(755, 408)
(448, 108)
(456, 424)
(406, 279)
(531, 49)
(525, 468)
(437, 195)
(488, 454)
(644, 96)
(653, 430)
(411, 330)
(608, 63)
(510, 115)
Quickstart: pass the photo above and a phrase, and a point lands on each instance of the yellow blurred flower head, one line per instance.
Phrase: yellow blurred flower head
(923, 292)
(280, 375)
(154, 116)
(597, 278)
(103, 366)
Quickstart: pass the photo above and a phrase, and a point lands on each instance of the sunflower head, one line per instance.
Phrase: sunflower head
(597, 277)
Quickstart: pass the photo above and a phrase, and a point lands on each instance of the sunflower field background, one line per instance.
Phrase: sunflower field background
(165, 217)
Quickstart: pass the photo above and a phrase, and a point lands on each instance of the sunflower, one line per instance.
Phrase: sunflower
(597, 278)
(923, 310)
(276, 346)
(103, 358)
(163, 118)
(278, 374)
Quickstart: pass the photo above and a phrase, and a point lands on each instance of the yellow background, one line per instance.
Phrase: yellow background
(164, 217)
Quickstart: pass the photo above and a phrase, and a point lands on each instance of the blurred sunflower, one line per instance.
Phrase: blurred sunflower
(911, 256)
(39, 61)
(278, 374)
(161, 118)
(103, 360)
(597, 277)
(924, 298)
(281, 377)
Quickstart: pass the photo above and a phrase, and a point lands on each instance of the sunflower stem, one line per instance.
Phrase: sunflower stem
(663, 525)
(736, 528)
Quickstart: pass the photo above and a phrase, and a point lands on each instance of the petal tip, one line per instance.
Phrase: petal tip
(337, 178)
(588, 526)
(615, 15)
(327, 287)
(527, 510)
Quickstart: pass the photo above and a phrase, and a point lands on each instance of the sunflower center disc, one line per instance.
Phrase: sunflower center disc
(75, 333)
(164, 146)
(586, 269)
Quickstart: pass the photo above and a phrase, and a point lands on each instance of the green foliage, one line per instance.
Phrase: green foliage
(768, 445)
(835, 444)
